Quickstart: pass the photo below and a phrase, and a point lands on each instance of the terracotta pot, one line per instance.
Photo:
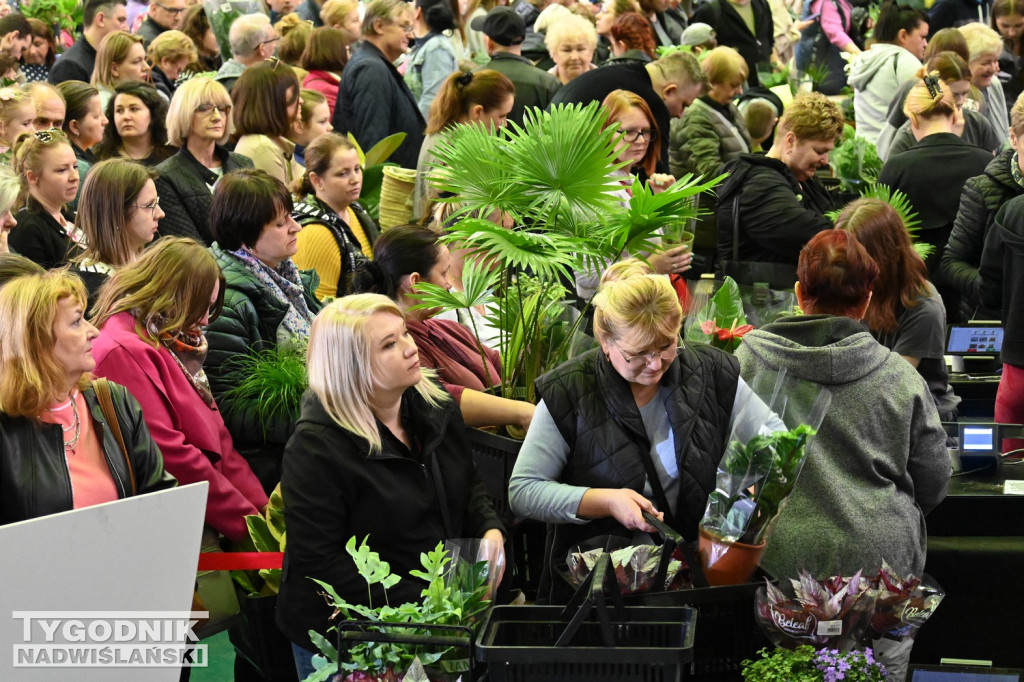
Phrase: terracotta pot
(727, 563)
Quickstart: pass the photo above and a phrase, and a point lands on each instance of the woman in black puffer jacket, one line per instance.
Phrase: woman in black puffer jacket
(982, 197)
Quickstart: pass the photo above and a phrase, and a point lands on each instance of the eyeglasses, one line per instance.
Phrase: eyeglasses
(174, 11)
(268, 42)
(646, 358)
(208, 109)
(406, 28)
(631, 136)
(151, 207)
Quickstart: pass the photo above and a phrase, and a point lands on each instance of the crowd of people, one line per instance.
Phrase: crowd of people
(173, 207)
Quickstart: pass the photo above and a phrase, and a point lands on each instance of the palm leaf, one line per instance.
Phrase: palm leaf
(901, 204)
(547, 255)
(478, 286)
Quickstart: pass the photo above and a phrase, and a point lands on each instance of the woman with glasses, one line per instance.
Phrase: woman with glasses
(198, 123)
(118, 211)
(711, 131)
(151, 315)
(267, 103)
(268, 305)
(138, 130)
(405, 256)
(636, 404)
(46, 232)
(939, 159)
(639, 147)
(120, 58)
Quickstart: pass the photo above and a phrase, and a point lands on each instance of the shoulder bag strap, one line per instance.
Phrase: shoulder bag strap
(659, 492)
(102, 388)
(736, 227)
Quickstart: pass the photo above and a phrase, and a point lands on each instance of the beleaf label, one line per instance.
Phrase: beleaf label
(792, 625)
(828, 628)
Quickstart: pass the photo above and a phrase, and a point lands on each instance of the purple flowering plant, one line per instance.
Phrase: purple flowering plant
(807, 664)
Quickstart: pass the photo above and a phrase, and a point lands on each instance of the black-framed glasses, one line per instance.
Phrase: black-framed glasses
(268, 41)
(175, 11)
(207, 109)
(151, 207)
(645, 358)
(631, 136)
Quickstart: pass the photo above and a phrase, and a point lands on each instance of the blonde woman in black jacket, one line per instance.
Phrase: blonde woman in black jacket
(379, 450)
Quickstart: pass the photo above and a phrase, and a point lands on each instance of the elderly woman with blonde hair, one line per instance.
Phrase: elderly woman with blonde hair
(636, 425)
(374, 427)
(571, 42)
(199, 124)
(985, 46)
(170, 53)
(60, 430)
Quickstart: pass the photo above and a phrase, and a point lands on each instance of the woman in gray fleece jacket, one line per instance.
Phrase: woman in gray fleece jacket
(879, 462)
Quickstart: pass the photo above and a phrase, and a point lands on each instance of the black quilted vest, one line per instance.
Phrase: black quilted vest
(597, 415)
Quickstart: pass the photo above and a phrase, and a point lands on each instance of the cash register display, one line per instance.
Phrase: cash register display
(975, 340)
(962, 676)
(978, 439)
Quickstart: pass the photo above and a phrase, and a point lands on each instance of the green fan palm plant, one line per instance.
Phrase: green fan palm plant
(554, 178)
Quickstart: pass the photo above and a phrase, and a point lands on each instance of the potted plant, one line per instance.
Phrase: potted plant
(553, 178)
(807, 664)
(765, 454)
(455, 594)
(63, 15)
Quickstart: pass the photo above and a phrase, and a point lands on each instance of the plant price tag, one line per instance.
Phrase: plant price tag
(827, 628)
(1013, 488)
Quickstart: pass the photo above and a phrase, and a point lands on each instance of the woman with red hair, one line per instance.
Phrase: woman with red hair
(639, 147)
(632, 38)
(878, 463)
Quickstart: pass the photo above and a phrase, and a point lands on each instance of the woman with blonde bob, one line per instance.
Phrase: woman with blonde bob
(198, 123)
(374, 427)
(711, 131)
(344, 16)
(119, 213)
(151, 316)
(170, 53)
(120, 58)
(571, 43)
(637, 403)
(60, 451)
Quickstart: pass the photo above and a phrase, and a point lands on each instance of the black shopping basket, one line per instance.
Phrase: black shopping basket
(446, 636)
(588, 640)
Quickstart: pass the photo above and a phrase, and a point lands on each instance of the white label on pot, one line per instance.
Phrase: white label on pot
(1013, 488)
(827, 628)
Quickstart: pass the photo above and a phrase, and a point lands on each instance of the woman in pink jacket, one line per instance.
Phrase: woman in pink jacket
(324, 61)
(151, 315)
(827, 31)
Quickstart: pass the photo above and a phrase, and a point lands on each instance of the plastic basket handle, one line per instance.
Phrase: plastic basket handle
(671, 540)
(590, 596)
(353, 631)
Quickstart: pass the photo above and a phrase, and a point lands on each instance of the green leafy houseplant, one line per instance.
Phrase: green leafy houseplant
(762, 473)
(805, 664)
(721, 322)
(453, 596)
(273, 382)
(855, 161)
(899, 202)
(553, 177)
(63, 14)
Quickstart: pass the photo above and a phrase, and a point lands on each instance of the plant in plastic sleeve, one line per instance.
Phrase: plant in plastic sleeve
(718, 320)
(834, 613)
(765, 454)
(902, 605)
(635, 565)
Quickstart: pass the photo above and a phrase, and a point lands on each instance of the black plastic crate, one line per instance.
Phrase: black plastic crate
(655, 644)
(494, 457)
